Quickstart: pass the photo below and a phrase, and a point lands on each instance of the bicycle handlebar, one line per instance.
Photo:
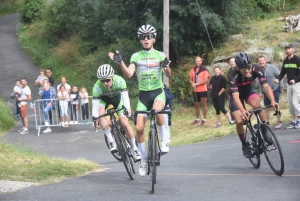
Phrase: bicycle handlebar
(268, 106)
(111, 111)
(152, 112)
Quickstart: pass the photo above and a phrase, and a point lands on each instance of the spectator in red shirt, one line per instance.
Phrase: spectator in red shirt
(199, 76)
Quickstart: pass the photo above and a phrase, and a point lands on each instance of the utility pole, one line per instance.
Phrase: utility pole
(166, 36)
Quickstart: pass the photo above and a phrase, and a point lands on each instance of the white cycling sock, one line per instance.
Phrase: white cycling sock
(108, 136)
(133, 145)
(163, 132)
(143, 152)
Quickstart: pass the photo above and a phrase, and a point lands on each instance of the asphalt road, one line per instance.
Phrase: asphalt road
(214, 170)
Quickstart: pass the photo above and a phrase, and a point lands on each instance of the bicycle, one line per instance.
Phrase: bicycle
(154, 151)
(256, 142)
(124, 150)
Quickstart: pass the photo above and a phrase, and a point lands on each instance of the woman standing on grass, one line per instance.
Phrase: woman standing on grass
(218, 85)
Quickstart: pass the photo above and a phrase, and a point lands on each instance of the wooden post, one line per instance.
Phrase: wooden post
(166, 36)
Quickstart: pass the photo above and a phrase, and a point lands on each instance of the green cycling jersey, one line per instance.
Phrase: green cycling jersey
(118, 85)
(148, 69)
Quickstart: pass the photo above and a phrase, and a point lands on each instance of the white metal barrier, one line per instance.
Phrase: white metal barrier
(55, 117)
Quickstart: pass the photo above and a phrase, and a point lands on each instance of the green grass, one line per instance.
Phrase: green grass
(6, 119)
(8, 7)
(20, 164)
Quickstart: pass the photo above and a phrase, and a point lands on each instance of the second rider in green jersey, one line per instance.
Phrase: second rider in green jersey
(111, 89)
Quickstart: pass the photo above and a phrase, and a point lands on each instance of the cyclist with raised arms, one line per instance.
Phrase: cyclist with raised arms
(148, 64)
(112, 89)
(242, 90)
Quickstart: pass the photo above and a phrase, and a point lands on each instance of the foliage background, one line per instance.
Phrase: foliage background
(78, 34)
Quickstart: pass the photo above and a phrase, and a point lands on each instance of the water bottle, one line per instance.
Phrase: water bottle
(31, 105)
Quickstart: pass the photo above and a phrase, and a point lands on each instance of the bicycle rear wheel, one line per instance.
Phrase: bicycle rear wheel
(123, 151)
(253, 142)
(115, 154)
(273, 152)
(152, 152)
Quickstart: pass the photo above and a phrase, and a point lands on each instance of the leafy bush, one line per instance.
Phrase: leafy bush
(31, 10)
(8, 7)
(62, 18)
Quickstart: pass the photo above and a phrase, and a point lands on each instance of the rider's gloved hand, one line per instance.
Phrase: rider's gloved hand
(118, 58)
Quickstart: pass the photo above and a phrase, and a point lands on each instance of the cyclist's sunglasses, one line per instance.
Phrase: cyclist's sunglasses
(107, 80)
(144, 36)
(244, 69)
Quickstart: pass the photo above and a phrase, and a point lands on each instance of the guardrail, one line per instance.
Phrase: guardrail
(55, 113)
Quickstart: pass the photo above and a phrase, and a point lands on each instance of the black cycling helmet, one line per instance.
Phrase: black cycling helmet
(242, 60)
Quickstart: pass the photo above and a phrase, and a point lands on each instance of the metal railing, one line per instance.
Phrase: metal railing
(55, 116)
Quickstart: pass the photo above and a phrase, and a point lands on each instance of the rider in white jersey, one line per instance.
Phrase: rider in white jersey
(147, 64)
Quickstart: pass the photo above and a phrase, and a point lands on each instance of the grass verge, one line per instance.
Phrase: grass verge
(182, 132)
(6, 119)
(8, 7)
(20, 164)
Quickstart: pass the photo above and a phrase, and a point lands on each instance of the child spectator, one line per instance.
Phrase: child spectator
(40, 79)
(63, 96)
(84, 105)
(16, 94)
(74, 104)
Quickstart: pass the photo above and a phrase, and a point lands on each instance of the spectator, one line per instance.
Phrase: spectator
(199, 76)
(49, 76)
(24, 98)
(74, 104)
(291, 67)
(218, 85)
(63, 96)
(169, 98)
(233, 66)
(51, 81)
(47, 93)
(63, 81)
(40, 78)
(84, 105)
(271, 72)
(16, 94)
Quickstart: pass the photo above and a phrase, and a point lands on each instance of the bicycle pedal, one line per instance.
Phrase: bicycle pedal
(157, 163)
(136, 160)
(114, 151)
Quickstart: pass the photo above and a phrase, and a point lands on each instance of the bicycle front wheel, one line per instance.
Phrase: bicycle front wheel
(273, 152)
(253, 142)
(116, 153)
(152, 152)
(123, 151)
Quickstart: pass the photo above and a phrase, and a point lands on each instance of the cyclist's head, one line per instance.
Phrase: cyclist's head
(105, 72)
(243, 64)
(147, 35)
(242, 60)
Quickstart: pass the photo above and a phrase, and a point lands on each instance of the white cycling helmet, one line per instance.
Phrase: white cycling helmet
(105, 71)
(147, 29)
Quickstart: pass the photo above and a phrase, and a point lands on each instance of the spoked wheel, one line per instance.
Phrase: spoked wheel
(115, 154)
(129, 153)
(253, 142)
(273, 152)
(151, 160)
(123, 151)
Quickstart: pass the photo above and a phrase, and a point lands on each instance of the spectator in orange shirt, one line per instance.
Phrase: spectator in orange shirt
(199, 76)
